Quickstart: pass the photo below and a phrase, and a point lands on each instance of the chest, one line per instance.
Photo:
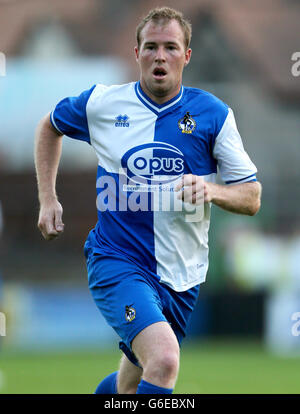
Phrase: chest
(178, 140)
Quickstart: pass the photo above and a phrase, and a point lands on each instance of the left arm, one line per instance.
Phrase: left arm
(239, 198)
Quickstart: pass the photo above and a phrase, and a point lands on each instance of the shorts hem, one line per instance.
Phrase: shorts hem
(125, 346)
(138, 330)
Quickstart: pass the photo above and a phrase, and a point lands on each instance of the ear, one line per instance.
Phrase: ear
(188, 55)
(136, 52)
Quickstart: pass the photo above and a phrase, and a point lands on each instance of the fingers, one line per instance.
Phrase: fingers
(50, 222)
(191, 189)
(59, 225)
(186, 180)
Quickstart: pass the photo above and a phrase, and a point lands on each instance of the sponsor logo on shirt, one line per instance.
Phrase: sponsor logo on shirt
(153, 163)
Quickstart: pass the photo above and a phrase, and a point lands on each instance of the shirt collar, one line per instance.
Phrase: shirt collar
(155, 107)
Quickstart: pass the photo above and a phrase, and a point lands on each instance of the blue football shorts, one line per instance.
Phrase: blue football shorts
(131, 298)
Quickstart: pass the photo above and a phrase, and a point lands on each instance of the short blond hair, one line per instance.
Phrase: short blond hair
(164, 15)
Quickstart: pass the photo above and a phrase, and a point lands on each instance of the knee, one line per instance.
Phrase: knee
(157, 350)
(169, 363)
(164, 365)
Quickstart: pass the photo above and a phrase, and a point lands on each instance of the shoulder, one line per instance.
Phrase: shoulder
(205, 99)
(101, 91)
(211, 110)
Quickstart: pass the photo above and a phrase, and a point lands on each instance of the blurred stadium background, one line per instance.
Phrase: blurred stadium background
(244, 335)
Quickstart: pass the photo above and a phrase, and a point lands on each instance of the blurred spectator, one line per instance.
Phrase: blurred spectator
(258, 260)
(270, 262)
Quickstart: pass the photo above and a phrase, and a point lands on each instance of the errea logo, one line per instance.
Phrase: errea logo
(122, 121)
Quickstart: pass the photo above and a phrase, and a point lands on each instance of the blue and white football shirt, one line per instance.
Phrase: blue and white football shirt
(143, 149)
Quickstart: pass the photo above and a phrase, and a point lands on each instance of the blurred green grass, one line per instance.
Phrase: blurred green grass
(212, 367)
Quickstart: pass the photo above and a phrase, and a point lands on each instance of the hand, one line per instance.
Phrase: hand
(194, 190)
(50, 219)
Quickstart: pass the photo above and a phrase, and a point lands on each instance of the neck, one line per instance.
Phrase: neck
(157, 97)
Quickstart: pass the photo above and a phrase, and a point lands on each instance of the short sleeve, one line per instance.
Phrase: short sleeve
(69, 116)
(234, 164)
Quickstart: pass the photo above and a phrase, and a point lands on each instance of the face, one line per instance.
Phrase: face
(162, 57)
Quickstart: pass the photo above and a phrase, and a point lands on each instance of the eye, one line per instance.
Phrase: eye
(171, 47)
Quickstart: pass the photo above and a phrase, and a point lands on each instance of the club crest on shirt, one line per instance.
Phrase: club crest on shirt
(187, 124)
(129, 313)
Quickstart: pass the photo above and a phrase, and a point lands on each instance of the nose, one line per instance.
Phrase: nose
(160, 55)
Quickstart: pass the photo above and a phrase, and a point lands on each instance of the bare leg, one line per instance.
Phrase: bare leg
(157, 350)
(129, 376)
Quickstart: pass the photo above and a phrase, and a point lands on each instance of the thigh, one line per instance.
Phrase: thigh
(126, 299)
(154, 342)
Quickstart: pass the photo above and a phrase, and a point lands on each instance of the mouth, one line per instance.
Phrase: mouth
(159, 73)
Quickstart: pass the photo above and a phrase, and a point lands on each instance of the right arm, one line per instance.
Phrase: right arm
(70, 119)
(47, 153)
